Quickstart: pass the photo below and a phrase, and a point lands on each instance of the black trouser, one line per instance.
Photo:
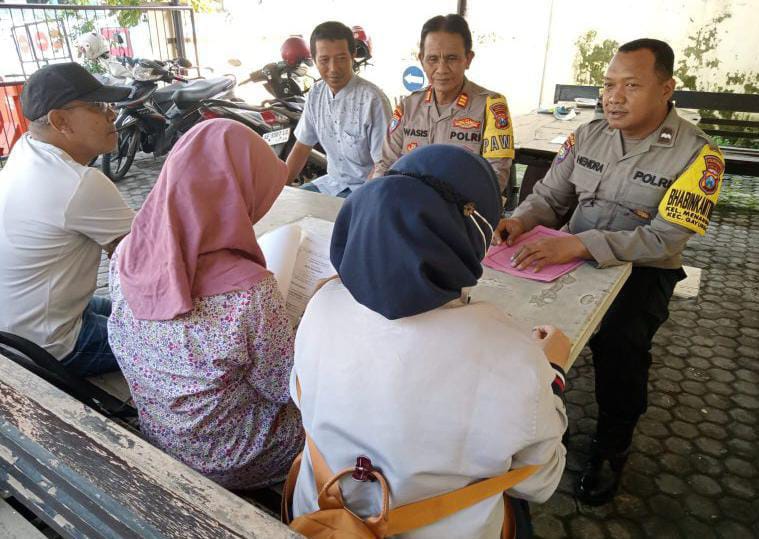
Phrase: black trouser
(622, 353)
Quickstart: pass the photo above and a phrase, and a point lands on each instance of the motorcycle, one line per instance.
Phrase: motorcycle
(275, 119)
(284, 80)
(154, 118)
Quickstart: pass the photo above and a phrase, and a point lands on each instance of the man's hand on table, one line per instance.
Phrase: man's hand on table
(508, 230)
(539, 253)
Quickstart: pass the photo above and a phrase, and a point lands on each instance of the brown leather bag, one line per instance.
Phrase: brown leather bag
(334, 520)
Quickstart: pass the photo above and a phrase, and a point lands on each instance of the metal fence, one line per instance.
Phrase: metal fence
(35, 35)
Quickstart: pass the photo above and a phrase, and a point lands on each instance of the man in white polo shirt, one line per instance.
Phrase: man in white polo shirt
(57, 215)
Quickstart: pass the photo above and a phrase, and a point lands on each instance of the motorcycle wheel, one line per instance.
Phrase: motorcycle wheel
(116, 164)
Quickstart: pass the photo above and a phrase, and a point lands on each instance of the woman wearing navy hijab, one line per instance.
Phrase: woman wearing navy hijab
(397, 364)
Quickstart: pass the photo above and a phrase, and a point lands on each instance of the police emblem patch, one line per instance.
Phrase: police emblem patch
(710, 177)
(467, 123)
(410, 146)
(501, 114)
(565, 148)
(396, 120)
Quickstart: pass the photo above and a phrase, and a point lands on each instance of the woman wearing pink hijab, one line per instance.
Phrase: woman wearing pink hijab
(198, 324)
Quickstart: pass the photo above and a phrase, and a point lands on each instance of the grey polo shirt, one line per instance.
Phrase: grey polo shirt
(350, 126)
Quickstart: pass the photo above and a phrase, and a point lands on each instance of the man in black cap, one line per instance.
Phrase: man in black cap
(57, 215)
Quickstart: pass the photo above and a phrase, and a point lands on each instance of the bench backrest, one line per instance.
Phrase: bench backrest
(684, 99)
(740, 160)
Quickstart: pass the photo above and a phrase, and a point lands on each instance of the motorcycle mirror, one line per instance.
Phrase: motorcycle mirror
(234, 62)
(183, 62)
(258, 76)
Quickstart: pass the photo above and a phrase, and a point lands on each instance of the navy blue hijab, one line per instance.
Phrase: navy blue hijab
(404, 244)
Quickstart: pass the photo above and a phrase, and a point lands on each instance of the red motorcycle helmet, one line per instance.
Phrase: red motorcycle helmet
(363, 43)
(295, 51)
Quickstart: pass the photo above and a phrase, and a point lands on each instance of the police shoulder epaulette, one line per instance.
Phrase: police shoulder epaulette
(716, 149)
(705, 139)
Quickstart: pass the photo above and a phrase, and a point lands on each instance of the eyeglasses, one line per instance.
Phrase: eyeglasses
(95, 106)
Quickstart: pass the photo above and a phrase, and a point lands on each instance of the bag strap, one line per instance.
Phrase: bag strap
(377, 523)
(289, 489)
(425, 512)
(416, 514)
(322, 472)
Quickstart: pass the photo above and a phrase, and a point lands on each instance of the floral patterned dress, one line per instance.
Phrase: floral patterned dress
(211, 386)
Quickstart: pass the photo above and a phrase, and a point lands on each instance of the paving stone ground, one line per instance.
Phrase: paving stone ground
(694, 467)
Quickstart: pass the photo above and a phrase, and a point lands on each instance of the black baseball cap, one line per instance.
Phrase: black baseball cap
(52, 86)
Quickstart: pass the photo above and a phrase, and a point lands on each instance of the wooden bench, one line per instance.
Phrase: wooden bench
(87, 476)
(13, 525)
(738, 160)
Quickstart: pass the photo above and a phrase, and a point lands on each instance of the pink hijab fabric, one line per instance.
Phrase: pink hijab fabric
(194, 235)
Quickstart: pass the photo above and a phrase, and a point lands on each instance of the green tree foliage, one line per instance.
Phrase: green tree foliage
(592, 58)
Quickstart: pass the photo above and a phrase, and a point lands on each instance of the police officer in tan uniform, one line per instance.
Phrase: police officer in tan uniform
(452, 110)
(634, 187)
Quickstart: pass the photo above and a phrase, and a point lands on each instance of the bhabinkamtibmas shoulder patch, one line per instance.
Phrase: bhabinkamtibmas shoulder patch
(691, 199)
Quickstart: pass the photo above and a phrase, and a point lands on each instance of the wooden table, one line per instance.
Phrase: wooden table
(575, 303)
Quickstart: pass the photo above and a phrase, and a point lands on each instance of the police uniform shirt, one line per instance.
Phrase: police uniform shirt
(478, 119)
(641, 206)
(350, 126)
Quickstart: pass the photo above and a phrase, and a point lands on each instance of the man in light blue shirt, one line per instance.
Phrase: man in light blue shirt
(346, 114)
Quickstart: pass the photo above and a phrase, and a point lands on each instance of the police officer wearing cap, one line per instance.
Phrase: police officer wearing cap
(452, 110)
(634, 187)
(57, 215)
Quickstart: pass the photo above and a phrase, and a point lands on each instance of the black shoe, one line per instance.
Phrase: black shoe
(600, 479)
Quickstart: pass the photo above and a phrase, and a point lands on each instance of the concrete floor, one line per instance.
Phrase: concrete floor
(694, 470)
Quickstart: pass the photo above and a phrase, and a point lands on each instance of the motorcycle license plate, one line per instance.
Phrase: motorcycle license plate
(277, 137)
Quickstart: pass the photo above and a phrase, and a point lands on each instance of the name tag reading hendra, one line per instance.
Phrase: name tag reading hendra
(590, 164)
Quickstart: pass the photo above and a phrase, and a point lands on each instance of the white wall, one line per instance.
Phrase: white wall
(519, 46)
(254, 31)
(515, 60)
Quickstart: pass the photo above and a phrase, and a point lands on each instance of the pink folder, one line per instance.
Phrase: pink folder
(499, 257)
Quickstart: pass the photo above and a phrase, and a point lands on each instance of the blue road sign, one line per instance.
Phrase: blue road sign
(413, 78)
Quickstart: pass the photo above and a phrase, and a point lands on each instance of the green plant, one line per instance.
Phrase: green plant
(592, 58)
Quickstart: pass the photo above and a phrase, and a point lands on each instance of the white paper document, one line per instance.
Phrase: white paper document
(298, 256)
